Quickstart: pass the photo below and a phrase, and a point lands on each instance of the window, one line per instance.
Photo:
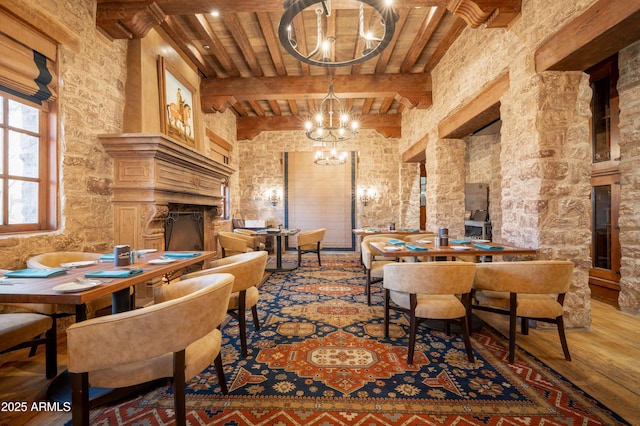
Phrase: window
(24, 166)
(28, 155)
(605, 111)
(604, 275)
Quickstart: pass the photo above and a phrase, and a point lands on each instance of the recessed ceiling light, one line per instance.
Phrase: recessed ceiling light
(215, 13)
(206, 47)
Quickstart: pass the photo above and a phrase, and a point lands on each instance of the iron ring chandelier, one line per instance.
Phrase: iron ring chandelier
(320, 55)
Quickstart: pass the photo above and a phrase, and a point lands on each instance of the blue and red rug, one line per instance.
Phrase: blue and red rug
(320, 358)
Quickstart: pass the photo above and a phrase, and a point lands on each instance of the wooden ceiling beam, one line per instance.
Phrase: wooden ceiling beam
(600, 31)
(173, 29)
(413, 90)
(129, 19)
(422, 37)
(216, 48)
(189, 7)
(389, 125)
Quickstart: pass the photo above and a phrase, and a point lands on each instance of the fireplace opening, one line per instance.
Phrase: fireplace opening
(184, 231)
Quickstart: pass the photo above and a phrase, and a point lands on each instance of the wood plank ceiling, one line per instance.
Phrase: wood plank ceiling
(245, 68)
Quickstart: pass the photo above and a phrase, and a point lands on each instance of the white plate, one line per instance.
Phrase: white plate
(424, 241)
(392, 248)
(161, 261)
(75, 286)
(78, 264)
(460, 247)
(481, 241)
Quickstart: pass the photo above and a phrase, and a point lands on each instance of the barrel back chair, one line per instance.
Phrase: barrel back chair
(257, 241)
(431, 290)
(527, 290)
(248, 270)
(20, 330)
(178, 337)
(310, 242)
(232, 243)
(373, 264)
(54, 260)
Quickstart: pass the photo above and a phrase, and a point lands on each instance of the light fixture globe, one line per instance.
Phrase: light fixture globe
(324, 50)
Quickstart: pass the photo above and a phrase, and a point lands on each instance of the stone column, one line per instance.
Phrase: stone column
(629, 221)
(546, 187)
(445, 186)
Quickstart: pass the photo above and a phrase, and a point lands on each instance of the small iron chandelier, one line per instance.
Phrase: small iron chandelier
(324, 157)
(375, 38)
(331, 123)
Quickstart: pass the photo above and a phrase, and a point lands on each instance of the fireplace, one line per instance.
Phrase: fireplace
(153, 176)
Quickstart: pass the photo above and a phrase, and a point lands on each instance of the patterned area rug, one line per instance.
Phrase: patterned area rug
(320, 358)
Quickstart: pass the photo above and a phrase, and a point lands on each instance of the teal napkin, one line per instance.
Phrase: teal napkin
(114, 273)
(373, 230)
(193, 254)
(413, 230)
(488, 247)
(460, 241)
(36, 273)
(106, 256)
(416, 248)
(396, 242)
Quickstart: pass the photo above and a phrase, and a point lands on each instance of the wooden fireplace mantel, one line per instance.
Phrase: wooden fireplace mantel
(152, 171)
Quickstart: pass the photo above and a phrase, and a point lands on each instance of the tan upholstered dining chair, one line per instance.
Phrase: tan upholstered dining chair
(373, 264)
(310, 242)
(29, 330)
(177, 337)
(232, 243)
(432, 290)
(525, 289)
(248, 270)
(54, 260)
(257, 242)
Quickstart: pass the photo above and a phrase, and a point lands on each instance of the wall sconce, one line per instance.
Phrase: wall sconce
(274, 197)
(368, 195)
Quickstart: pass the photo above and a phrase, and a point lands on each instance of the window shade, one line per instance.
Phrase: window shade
(25, 72)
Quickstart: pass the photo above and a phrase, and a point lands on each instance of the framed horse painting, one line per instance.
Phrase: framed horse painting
(176, 104)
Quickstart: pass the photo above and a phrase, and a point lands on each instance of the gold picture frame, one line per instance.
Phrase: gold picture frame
(176, 105)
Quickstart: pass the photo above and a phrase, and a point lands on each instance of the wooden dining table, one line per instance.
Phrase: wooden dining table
(427, 249)
(43, 290)
(364, 232)
(278, 234)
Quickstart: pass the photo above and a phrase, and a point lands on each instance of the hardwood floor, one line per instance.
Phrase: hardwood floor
(606, 365)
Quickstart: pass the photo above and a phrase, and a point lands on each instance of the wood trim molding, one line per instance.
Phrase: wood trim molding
(218, 140)
(600, 31)
(480, 111)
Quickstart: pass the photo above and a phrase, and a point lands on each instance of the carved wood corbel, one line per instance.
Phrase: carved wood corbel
(128, 20)
(488, 13)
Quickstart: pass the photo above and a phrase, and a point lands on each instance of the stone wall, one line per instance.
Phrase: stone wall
(629, 91)
(378, 164)
(92, 80)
